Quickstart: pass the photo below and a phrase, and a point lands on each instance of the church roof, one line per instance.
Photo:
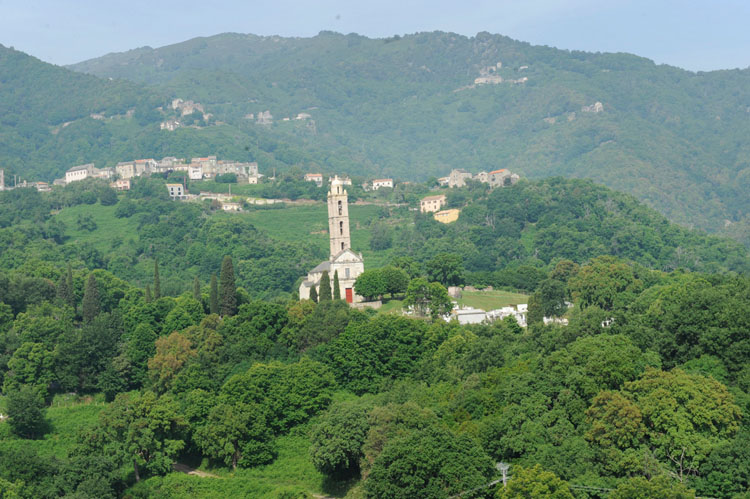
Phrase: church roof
(340, 253)
(323, 266)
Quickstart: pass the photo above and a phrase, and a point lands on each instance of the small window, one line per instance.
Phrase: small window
(342, 246)
(346, 271)
(341, 228)
(341, 208)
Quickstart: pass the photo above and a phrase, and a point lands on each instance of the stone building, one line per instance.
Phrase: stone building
(458, 177)
(497, 178)
(348, 263)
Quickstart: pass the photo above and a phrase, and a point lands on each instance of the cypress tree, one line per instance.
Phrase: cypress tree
(69, 279)
(213, 297)
(91, 304)
(157, 284)
(197, 290)
(336, 288)
(64, 289)
(314, 294)
(325, 287)
(148, 294)
(227, 289)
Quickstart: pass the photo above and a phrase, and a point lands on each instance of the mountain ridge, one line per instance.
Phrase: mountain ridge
(414, 107)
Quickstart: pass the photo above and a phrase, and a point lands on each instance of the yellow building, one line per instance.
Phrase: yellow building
(432, 203)
(446, 216)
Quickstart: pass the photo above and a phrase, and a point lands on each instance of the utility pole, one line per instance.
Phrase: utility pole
(503, 468)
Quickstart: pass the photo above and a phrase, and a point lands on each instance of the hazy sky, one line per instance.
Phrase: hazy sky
(696, 35)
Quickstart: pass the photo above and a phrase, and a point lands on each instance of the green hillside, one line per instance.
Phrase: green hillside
(52, 118)
(407, 107)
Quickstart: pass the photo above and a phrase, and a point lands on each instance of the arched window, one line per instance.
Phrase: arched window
(342, 245)
(341, 228)
(339, 190)
(341, 208)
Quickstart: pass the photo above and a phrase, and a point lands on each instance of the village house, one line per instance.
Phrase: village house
(382, 182)
(122, 184)
(230, 206)
(342, 260)
(170, 125)
(253, 179)
(176, 191)
(432, 204)
(446, 216)
(88, 170)
(482, 177)
(137, 168)
(443, 181)
(458, 177)
(314, 177)
(498, 178)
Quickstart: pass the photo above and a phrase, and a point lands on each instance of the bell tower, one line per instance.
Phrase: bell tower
(338, 217)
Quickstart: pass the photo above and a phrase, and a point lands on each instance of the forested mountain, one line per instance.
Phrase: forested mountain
(52, 118)
(408, 107)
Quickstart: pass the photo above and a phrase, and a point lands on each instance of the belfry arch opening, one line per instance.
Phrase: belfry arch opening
(341, 208)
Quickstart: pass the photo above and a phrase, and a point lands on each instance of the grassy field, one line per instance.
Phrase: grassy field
(65, 417)
(108, 227)
(291, 474)
(490, 300)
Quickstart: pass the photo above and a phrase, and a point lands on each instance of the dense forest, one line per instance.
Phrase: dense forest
(176, 343)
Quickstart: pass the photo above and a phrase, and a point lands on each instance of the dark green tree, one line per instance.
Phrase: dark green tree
(427, 298)
(447, 269)
(157, 283)
(396, 280)
(336, 288)
(325, 288)
(65, 288)
(236, 434)
(142, 430)
(213, 296)
(535, 482)
(370, 284)
(432, 462)
(337, 439)
(314, 294)
(659, 487)
(197, 290)
(91, 299)
(227, 289)
(26, 411)
(148, 297)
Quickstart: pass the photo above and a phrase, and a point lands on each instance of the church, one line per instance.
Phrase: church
(342, 259)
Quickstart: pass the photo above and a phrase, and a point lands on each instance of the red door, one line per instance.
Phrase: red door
(349, 295)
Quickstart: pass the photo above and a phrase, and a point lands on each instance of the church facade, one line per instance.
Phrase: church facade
(343, 259)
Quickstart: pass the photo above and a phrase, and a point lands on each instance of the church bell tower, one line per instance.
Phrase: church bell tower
(338, 217)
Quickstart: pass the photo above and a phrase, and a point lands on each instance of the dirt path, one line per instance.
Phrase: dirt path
(184, 468)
